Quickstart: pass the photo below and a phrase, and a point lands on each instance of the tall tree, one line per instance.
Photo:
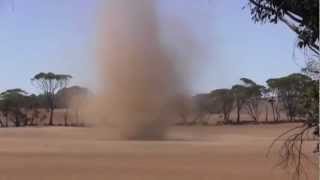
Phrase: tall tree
(273, 100)
(253, 97)
(240, 97)
(50, 84)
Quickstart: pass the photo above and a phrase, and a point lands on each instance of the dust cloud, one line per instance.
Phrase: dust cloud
(141, 84)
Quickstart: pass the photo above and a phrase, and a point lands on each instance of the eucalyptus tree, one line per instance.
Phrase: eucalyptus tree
(50, 84)
(247, 94)
(254, 96)
(299, 94)
(290, 91)
(12, 102)
(223, 102)
(240, 98)
(311, 104)
(274, 101)
(301, 16)
(32, 105)
(72, 98)
(202, 106)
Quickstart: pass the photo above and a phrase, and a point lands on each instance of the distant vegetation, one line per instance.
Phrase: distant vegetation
(296, 96)
(50, 84)
(19, 108)
(291, 99)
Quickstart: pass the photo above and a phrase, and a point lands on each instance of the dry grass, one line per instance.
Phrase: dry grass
(222, 153)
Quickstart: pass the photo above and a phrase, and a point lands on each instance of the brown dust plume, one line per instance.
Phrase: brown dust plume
(139, 81)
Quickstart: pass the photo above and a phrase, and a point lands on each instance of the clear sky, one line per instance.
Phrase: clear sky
(59, 36)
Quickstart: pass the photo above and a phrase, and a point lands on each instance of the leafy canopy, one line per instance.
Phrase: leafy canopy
(301, 16)
(50, 82)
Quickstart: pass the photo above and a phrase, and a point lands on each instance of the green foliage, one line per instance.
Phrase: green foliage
(11, 103)
(13, 97)
(204, 104)
(240, 97)
(296, 93)
(249, 95)
(312, 68)
(290, 90)
(51, 76)
(50, 83)
(248, 82)
(301, 16)
(311, 103)
(223, 100)
(254, 92)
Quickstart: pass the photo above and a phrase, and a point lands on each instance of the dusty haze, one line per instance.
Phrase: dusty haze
(139, 80)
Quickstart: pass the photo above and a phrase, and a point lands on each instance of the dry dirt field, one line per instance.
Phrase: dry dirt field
(190, 153)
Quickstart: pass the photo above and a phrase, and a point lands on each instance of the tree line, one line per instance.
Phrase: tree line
(295, 95)
(19, 108)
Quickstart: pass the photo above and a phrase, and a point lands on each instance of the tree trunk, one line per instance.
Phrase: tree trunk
(77, 116)
(7, 120)
(273, 112)
(17, 122)
(195, 120)
(183, 118)
(255, 118)
(267, 113)
(206, 120)
(32, 121)
(66, 116)
(278, 115)
(226, 117)
(51, 117)
(32, 118)
(238, 115)
(291, 117)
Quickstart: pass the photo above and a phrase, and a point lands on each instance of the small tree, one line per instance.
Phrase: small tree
(32, 105)
(50, 84)
(12, 103)
(253, 101)
(240, 97)
(251, 93)
(274, 102)
(224, 99)
(265, 92)
(72, 98)
(202, 107)
(247, 94)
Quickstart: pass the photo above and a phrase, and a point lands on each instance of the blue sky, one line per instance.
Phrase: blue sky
(59, 36)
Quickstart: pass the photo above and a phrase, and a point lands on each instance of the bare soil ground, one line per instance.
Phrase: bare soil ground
(190, 153)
